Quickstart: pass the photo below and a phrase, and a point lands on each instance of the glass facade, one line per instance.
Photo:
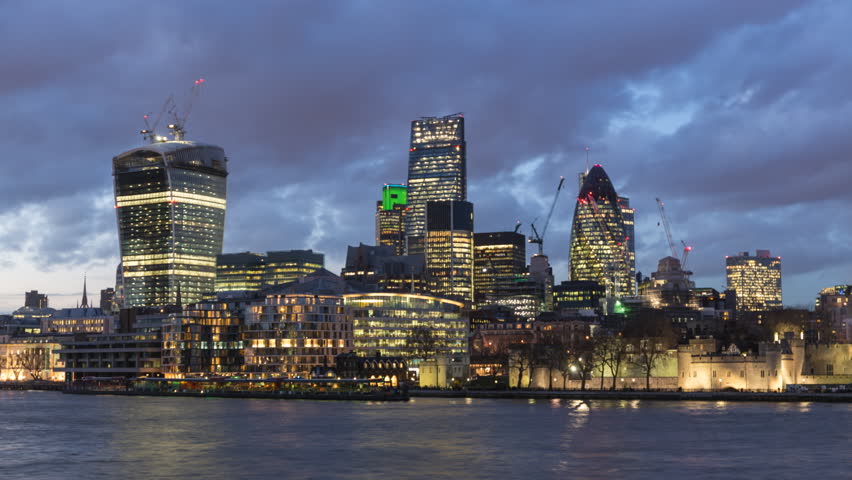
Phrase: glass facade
(204, 338)
(390, 226)
(239, 271)
(449, 249)
(600, 240)
(170, 200)
(577, 295)
(287, 266)
(407, 325)
(755, 279)
(437, 169)
(499, 260)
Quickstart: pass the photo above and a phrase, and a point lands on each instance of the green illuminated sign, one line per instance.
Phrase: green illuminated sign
(394, 195)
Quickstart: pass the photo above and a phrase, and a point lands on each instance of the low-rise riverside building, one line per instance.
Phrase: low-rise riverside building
(29, 358)
(114, 355)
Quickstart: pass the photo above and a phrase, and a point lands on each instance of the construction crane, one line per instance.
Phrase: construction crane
(180, 116)
(665, 221)
(535, 237)
(517, 226)
(149, 133)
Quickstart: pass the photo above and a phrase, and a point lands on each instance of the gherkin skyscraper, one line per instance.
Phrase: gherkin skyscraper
(170, 207)
(601, 243)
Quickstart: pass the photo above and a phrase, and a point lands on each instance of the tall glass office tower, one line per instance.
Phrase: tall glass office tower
(437, 171)
(170, 206)
(601, 243)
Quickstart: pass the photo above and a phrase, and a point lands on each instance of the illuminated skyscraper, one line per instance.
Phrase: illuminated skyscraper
(600, 240)
(437, 170)
(449, 248)
(499, 261)
(170, 205)
(757, 280)
(390, 217)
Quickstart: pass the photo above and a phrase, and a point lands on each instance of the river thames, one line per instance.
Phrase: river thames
(49, 435)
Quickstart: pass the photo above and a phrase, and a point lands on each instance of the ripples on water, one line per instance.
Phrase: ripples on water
(48, 435)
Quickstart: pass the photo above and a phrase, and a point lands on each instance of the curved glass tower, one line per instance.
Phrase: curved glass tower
(601, 243)
(170, 206)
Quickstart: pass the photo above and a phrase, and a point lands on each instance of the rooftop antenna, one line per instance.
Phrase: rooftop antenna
(587, 160)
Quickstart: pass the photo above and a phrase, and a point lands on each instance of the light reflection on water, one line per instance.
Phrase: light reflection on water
(49, 435)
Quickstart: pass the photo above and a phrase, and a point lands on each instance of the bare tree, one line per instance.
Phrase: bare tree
(648, 354)
(422, 342)
(612, 352)
(33, 361)
(587, 360)
(521, 357)
(553, 349)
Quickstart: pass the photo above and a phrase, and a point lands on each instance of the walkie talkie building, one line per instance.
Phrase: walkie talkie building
(170, 202)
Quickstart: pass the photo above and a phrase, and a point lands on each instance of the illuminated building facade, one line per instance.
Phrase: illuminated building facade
(580, 295)
(414, 327)
(449, 249)
(288, 334)
(170, 200)
(390, 217)
(499, 260)
(239, 271)
(437, 170)
(755, 279)
(288, 265)
(600, 239)
(205, 338)
(832, 306)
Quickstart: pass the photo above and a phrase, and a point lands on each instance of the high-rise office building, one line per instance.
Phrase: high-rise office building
(288, 265)
(170, 200)
(628, 214)
(499, 261)
(437, 170)
(249, 271)
(755, 279)
(239, 271)
(449, 248)
(600, 239)
(390, 217)
(107, 302)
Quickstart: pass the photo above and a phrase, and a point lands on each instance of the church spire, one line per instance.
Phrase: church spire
(85, 303)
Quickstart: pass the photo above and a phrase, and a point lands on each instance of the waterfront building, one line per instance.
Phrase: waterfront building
(170, 200)
(29, 357)
(239, 271)
(390, 217)
(288, 265)
(379, 268)
(117, 355)
(499, 260)
(33, 299)
(756, 280)
(411, 326)
(579, 295)
(66, 321)
(206, 338)
(437, 171)
(288, 334)
(390, 369)
(600, 240)
(449, 248)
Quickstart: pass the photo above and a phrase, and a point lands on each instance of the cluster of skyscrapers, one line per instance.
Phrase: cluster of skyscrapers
(281, 312)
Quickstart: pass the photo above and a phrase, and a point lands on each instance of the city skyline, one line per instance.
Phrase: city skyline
(724, 147)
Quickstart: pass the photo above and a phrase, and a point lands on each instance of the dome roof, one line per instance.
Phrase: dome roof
(597, 183)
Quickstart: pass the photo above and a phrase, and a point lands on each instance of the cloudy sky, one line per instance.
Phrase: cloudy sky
(736, 114)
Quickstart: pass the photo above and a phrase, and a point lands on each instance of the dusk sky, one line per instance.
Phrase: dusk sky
(736, 114)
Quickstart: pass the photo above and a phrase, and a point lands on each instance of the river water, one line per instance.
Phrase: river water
(48, 435)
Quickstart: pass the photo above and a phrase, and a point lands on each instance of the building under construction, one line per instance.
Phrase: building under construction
(601, 236)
